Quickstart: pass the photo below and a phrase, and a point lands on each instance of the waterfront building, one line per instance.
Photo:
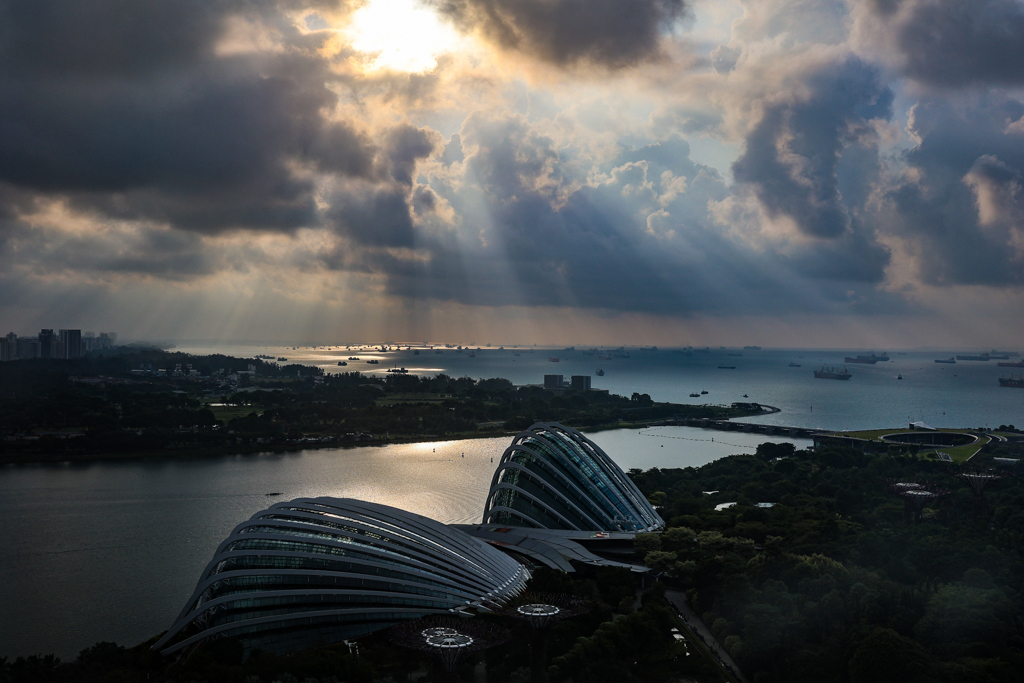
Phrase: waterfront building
(553, 477)
(580, 383)
(328, 569)
(555, 382)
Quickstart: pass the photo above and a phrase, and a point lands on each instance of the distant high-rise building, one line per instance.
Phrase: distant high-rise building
(580, 383)
(72, 341)
(28, 347)
(106, 340)
(9, 349)
(46, 339)
(552, 381)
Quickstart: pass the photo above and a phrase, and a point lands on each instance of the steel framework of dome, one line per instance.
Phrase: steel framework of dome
(327, 569)
(553, 477)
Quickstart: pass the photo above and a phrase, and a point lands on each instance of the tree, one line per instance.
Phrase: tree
(887, 657)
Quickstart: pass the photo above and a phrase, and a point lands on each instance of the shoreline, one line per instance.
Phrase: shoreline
(260, 449)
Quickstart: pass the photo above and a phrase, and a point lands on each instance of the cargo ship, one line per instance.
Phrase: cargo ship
(832, 373)
(983, 357)
(871, 358)
(1012, 364)
(1011, 381)
(950, 360)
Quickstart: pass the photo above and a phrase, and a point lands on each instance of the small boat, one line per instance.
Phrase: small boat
(373, 362)
(745, 396)
(398, 371)
(694, 395)
(599, 372)
(341, 362)
(282, 359)
(794, 365)
(554, 359)
(704, 391)
(899, 376)
(353, 357)
(722, 366)
(273, 493)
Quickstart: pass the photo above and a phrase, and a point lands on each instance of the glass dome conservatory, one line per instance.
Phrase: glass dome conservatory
(326, 569)
(553, 477)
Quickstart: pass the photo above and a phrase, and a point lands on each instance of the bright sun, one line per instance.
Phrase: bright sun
(401, 35)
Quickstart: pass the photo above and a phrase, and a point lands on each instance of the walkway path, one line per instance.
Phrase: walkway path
(678, 600)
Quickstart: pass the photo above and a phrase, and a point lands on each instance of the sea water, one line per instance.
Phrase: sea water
(966, 394)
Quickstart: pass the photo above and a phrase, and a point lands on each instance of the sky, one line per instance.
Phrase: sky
(668, 172)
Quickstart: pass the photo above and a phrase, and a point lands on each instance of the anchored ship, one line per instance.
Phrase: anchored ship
(1011, 381)
(871, 358)
(983, 356)
(1012, 364)
(950, 360)
(832, 373)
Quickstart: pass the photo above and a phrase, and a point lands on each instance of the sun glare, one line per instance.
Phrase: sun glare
(401, 35)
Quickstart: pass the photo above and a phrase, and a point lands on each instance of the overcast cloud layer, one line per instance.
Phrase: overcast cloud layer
(647, 171)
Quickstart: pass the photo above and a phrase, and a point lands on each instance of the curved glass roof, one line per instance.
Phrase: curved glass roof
(553, 477)
(326, 569)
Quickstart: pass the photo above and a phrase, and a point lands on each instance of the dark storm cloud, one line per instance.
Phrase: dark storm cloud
(792, 155)
(958, 42)
(961, 208)
(612, 33)
(378, 217)
(123, 37)
(124, 107)
(403, 146)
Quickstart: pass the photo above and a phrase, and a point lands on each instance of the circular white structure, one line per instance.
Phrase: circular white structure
(538, 610)
(447, 641)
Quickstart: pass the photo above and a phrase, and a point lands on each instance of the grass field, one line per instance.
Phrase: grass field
(964, 453)
(957, 453)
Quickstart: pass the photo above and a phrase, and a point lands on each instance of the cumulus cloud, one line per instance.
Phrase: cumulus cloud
(960, 204)
(181, 147)
(792, 154)
(953, 43)
(610, 33)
